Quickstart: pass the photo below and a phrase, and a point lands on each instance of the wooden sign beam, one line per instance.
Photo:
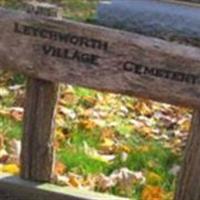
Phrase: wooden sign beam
(99, 58)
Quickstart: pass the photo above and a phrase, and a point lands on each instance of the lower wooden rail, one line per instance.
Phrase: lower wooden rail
(14, 188)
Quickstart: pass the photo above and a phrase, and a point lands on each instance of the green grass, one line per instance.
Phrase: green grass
(73, 155)
(81, 10)
(83, 92)
(10, 128)
(77, 161)
(157, 159)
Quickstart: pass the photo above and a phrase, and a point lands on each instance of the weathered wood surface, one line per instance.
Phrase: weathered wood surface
(189, 183)
(37, 144)
(37, 157)
(43, 9)
(166, 19)
(14, 188)
(99, 58)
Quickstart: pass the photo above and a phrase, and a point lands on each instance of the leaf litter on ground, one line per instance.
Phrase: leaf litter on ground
(122, 127)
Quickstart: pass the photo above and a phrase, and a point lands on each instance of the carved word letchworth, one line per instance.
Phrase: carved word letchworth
(160, 73)
(67, 38)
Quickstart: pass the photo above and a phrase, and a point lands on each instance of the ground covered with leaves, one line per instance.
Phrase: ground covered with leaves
(104, 142)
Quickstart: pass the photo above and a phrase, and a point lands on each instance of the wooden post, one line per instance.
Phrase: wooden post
(188, 187)
(37, 157)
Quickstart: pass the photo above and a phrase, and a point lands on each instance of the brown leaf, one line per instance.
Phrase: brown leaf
(60, 168)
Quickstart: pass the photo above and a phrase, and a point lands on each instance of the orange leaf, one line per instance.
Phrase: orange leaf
(152, 193)
(60, 168)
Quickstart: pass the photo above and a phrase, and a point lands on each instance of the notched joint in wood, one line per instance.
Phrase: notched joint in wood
(43, 9)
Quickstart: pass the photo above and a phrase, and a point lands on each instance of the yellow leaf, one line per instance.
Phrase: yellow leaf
(3, 92)
(152, 193)
(145, 131)
(11, 169)
(153, 178)
(75, 180)
(107, 143)
(62, 134)
(143, 108)
(107, 133)
(60, 121)
(185, 125)
(123, 148)
(87, 124)
(144, 149)
(89, 101)
(107, 146)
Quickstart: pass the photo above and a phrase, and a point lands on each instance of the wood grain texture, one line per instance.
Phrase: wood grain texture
(26, 54)
(37, 157)
(189, 181)
(14, 188)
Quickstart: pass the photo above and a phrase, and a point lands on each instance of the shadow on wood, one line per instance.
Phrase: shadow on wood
(14, 188)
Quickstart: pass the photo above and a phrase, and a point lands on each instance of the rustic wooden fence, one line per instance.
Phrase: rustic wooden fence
(49, 50)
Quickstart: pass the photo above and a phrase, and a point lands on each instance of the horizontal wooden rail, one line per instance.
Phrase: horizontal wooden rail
(99, 58)
(14, 188)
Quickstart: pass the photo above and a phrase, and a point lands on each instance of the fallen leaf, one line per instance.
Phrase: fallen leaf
(15, 147)
(153, 178)
(152, 193)
(17, 113)
(107, 145)
(175, 170)
(3, 92)
(62, 180)
(75, 180)
(11, 169)
(60, 168)
(104, 183)
(87, 124)
(143, 108)
(94, 154)
(1, 141)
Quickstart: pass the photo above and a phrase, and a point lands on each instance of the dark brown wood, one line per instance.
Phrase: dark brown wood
(37, 157)
(189, 181)
(14, 188)
(189, 178)
(97, 57)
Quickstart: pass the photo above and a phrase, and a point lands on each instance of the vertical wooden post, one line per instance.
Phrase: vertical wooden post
(188, 187)
(37, 157)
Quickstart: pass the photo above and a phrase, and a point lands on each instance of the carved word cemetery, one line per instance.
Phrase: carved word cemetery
(51, 50)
